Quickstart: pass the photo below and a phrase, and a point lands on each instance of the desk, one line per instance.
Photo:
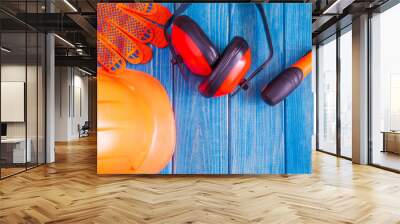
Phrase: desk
(17, 152)
(391, 141)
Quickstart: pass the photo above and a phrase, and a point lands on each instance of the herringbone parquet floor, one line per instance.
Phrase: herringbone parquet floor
(69, 191)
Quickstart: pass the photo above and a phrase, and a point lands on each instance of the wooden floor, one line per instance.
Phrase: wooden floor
(69, 191)
(5, 172)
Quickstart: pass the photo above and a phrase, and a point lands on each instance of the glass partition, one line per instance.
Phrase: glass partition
(32, 85)
(327, 96)
(31, 99)
(22, 77)
(13, 105)
(385, 89)
(346, 93)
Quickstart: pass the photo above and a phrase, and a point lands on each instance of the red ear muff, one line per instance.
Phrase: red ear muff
(193, 46)
(230, 70)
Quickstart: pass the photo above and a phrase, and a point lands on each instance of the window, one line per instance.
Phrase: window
(327, 97)
(385, 89)
(346, 93)
(335, 74)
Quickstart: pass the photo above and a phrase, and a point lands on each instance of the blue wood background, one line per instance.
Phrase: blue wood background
(241, 134)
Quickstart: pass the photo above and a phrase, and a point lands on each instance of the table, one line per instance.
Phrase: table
(391, 141)
(17, 151)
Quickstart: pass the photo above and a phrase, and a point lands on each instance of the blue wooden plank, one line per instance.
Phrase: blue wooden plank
(161, 68)
(256, 129)
(299, 105)
(202, 124)
(253, 140)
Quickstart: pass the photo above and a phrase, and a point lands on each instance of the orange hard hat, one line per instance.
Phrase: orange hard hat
(136, 125)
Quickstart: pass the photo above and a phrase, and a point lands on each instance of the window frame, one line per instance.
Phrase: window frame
(381, 9)
(28, 29)
(334, 37)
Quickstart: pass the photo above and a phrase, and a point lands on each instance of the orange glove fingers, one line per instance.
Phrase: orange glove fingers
(121, 43)
(141, 28)
(152, 11)
(126, 28)
(109, 59)
(147, 53)
(132, 27)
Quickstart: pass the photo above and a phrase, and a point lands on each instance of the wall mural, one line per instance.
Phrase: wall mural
(204, 88)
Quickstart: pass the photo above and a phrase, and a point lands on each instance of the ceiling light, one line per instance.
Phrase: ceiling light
(84, 71)
(65, 41)
(337, 7)
(5, 50)
(70, 5)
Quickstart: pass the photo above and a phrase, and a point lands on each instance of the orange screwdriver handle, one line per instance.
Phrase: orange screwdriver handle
(304, 64)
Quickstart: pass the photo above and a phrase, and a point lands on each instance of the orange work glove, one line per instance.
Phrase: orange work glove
(125, 29)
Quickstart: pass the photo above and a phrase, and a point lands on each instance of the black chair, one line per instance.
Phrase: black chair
(84, 130)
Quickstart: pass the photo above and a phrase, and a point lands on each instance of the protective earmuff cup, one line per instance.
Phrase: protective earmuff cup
(230, 70)
(193, 46)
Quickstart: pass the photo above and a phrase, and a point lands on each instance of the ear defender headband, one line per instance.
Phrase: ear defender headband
(224, 72)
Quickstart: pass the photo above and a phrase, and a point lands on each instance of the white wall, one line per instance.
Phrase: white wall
(80, 102)
(12, 101)
(16, 73)
(61, 103)
(12, 73)
(71, 102)
(33, 127)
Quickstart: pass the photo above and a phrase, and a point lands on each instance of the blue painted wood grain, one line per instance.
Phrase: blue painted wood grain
(202, 123)
(299, 105)
(242, 134)
(256, 129)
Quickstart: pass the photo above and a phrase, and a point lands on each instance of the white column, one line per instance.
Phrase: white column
(360, 90)
(50, 99)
